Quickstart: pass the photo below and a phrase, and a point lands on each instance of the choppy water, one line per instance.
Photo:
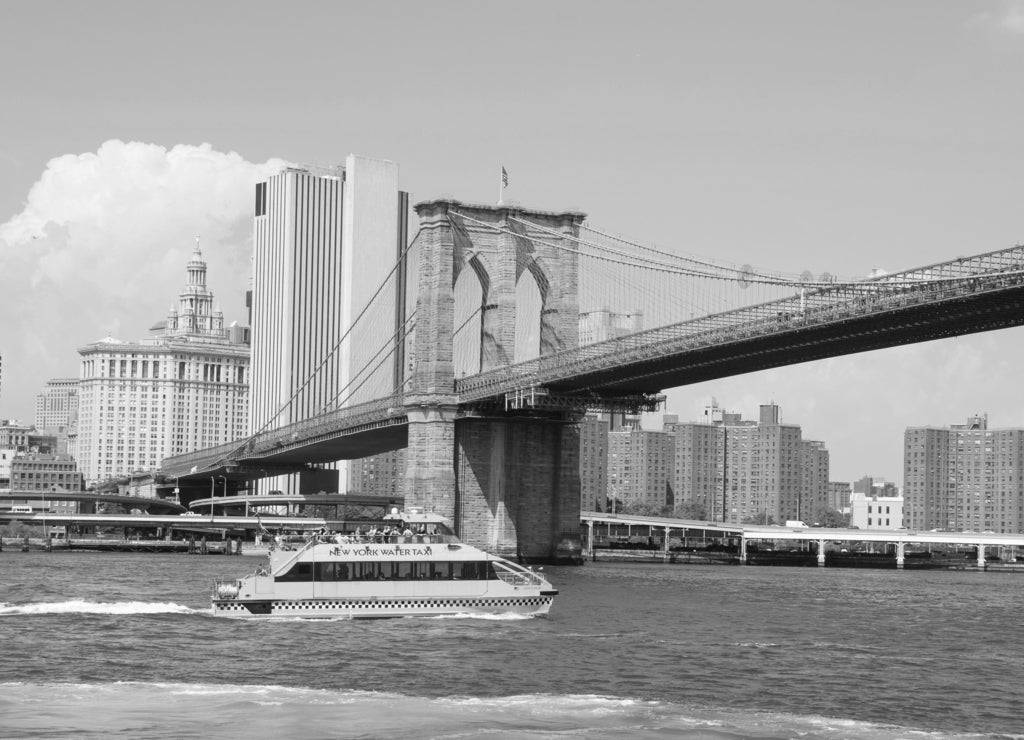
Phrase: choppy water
(123, 645)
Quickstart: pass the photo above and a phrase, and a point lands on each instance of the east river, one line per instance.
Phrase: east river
(99, 645)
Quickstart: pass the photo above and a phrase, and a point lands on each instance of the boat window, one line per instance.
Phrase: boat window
(470, 570)
(298, 572)
(332, 572)
(364, 571)
(441, 571)
(402, 570)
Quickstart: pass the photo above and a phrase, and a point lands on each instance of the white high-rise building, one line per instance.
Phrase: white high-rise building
(57, 405)
(324, 243)
(185, 387)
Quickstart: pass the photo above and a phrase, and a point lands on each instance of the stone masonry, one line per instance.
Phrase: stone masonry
(510, 481)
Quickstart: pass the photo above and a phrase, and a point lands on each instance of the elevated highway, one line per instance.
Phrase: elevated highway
(169, 506)
(745, 534)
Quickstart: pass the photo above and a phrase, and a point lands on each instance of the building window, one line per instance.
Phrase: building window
(261, 199)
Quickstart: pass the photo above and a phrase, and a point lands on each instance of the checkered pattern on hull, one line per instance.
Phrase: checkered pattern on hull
(386, 607)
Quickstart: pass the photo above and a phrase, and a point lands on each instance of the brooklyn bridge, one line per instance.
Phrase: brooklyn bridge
(501, 326)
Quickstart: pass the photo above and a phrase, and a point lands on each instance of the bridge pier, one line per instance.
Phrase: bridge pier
(821, 553)
(430, 456)
(518, 485)
(901, 555)
(510, 486)
(981, 556)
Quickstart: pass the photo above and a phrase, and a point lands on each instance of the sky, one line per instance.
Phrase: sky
(792, 135)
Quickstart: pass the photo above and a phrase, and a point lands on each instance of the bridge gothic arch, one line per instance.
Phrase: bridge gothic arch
(529, 310)
(475, 346)
(509, 479)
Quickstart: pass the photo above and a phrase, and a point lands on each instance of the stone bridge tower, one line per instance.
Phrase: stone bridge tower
(488, 297)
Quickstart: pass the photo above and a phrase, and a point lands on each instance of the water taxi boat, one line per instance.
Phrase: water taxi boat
(419, 569)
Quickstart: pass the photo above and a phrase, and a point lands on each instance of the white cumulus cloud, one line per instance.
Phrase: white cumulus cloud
(101, 246)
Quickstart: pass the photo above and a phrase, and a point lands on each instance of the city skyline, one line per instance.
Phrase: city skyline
(875, 137)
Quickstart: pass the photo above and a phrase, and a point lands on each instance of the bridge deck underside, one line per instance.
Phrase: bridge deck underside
(305, 452)
(907, 325)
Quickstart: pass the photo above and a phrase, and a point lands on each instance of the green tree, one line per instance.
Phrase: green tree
(828, 517)
(614, 505)
(641, 508)
(761, 517)
(690, 510)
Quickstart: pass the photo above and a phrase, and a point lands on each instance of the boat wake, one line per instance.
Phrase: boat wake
(161, 710)
(503, 617)
(78, 606)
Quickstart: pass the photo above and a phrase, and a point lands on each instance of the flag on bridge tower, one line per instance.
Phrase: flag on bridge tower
(502, 184)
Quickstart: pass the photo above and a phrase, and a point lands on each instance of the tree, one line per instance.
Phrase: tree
(828, 517)
(642, 508)
(690, 510)
(761, 517)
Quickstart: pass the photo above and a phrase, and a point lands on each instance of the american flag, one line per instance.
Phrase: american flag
(504, 177)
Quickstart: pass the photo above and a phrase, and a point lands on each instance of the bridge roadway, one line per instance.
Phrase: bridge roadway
(820, 535)
(962, 296)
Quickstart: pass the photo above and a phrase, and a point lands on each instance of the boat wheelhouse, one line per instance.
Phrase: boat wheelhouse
(418, 568)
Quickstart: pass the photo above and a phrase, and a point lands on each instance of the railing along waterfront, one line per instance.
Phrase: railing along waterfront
(822, 305)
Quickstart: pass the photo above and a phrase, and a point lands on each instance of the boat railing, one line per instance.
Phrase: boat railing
(519, 577)
(226, 588)
(281, 567)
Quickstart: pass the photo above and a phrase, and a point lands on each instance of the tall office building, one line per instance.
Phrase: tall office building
(593, 463)
(964, 477)
(639, 464)
(814, 485)
(57, 405)
(839, 495)
(324, 244)
(696, 476)
(378, 475)
(183, 388)
(742, 470)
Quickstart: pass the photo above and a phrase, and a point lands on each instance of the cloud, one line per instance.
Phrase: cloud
(101, 246)
(1012, 18)
(1008, 19)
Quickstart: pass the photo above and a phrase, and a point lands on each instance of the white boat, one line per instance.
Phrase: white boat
(424, 570)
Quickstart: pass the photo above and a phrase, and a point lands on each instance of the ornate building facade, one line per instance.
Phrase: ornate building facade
(185, 387)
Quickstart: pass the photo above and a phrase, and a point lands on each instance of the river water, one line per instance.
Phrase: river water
(96, 645)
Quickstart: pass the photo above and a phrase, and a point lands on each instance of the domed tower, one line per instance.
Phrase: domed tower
(195, 314)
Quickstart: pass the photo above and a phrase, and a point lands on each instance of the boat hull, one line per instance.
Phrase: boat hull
(383, 608)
